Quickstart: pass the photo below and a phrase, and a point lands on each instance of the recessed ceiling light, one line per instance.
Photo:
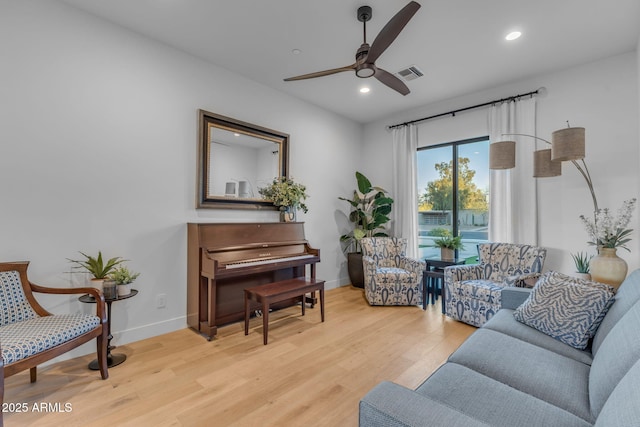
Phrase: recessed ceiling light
(296, 51)
(513, 35)
(364, 89)
(236, 134)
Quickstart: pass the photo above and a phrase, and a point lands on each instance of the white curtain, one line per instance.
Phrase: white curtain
(405, 195)
(513, 195)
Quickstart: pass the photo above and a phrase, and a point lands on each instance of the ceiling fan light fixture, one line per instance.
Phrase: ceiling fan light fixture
(365, 70)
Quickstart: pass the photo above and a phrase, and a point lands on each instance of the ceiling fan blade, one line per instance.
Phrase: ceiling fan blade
(321, 73)
(390, 31)
(392, 81)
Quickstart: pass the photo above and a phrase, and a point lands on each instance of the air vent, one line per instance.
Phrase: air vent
(410, 73)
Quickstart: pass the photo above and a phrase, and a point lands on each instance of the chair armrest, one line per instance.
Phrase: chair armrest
(513, 297)
(391, 405)
(458, 273)
(414, 265)
(368, 260)
(97, 295)
(369, 267)
(527, 280)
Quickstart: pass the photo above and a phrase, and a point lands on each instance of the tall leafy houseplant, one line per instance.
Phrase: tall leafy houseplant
(370, 209)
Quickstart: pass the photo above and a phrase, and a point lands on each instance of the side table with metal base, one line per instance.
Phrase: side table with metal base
(112, 359)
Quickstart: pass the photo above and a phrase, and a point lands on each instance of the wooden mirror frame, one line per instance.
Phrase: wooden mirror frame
(208, 120)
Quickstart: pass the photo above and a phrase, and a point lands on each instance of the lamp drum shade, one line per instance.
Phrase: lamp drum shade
(567, 144)
(543, 166)
(502, 155)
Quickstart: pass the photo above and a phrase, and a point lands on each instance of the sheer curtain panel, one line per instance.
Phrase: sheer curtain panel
(513, 196)
(405, 206)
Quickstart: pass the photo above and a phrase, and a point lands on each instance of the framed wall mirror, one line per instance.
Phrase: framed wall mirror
(235, 159)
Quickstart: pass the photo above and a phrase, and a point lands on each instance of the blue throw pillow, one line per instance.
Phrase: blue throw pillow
(566, 308)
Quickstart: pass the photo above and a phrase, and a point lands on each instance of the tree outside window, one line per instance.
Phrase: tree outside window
(437, 188)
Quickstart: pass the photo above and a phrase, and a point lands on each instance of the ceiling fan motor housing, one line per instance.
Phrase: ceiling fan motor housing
(364, 69)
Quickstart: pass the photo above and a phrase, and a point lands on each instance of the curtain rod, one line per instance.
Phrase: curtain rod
(453, 112)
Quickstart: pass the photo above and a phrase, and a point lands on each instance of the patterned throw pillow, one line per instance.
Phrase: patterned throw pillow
(566, 308)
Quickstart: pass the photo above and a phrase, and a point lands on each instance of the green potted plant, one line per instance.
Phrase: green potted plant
(123, 278)
(448, 244)
(97, 267)
(370, 209)
(288, 195)
(581, 261)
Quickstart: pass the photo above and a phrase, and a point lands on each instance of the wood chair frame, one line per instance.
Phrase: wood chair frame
(100, 332)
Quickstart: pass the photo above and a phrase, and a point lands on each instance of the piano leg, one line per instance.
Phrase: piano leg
(265, 319)
(246, 313)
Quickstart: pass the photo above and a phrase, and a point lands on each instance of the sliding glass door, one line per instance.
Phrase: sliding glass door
(453, 191)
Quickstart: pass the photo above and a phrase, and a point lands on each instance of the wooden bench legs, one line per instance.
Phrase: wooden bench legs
(276, 292)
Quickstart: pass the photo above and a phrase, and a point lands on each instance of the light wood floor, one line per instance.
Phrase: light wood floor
(310, 373)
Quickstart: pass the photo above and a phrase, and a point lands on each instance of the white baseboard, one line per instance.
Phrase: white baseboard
(125, 337)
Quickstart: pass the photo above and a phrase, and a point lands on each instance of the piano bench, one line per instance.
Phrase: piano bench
(280, 291)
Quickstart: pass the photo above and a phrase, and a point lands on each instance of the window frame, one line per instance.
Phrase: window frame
(455, 229)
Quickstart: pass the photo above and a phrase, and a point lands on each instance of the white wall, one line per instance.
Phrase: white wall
(98, 131)
(600, 96)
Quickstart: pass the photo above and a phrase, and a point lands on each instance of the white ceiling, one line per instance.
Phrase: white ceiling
(458, 44)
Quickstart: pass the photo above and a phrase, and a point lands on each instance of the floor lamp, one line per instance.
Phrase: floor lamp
(566, 145)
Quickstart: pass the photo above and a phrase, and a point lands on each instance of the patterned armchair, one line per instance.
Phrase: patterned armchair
(390, 278)
(30, 335)
(473, 293)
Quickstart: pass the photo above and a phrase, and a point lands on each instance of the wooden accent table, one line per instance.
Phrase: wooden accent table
(277, 292)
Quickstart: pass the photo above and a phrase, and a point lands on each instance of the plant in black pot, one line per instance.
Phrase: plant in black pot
(370, 209)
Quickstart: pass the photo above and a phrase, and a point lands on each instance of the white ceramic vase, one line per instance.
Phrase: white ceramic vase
(124, 289)
(97, 283)
(583, 276)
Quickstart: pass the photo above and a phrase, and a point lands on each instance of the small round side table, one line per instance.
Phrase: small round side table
(112, 359)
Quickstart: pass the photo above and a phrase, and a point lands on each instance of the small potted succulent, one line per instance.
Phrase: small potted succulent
(581, 260)
(97, 267)
(123, 278)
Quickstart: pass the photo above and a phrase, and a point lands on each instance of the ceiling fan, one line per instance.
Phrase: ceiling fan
(366, 55)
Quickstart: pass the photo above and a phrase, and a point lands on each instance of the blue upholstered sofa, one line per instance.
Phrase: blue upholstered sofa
(509, 374)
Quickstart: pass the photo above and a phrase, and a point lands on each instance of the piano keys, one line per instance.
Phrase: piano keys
(225, 258)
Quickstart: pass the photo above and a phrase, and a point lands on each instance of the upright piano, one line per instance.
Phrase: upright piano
(225, 258)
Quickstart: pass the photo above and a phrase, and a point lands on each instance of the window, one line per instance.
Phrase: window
(453, 192)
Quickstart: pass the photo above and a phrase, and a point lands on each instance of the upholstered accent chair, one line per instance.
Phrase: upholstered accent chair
(473, 292)
(30, 335)
(390, 277)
